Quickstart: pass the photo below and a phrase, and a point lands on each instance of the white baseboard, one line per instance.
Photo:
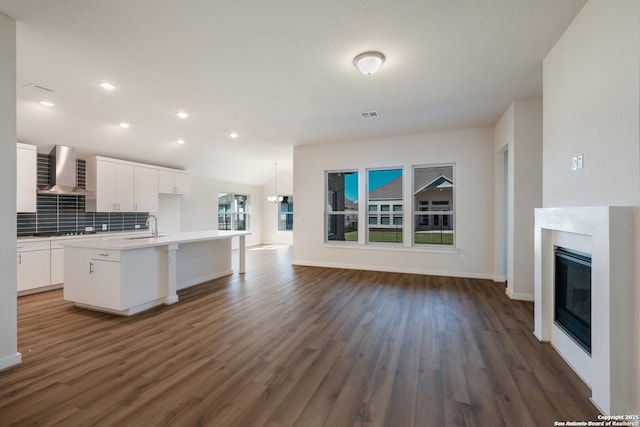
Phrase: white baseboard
(520, 297)
(11, 360)
(202, 279)
(499, 279)
(428, 272)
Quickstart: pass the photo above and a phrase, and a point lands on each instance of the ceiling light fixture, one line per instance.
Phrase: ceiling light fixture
(125, 125)
(106, 86)
(182, 115)
(275, 198)
(180, 141)
(368, 62)
(47, 103)
(233, 135)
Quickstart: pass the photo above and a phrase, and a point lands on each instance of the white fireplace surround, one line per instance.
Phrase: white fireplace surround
(606, 233)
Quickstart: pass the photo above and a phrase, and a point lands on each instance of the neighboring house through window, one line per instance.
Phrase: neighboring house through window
(433, 188)
(341, 206)
(385, 201)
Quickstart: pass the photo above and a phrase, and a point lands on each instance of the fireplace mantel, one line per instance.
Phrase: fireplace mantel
(607, 231)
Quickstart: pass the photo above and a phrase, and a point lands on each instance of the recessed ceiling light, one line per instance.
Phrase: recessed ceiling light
(182, 115)
(180, 141)
(107, 86)
(47, 103)
(125, 125)
(233, 135)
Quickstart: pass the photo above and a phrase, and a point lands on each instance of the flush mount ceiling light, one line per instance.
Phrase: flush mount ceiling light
(368, 62)
(47, 104)
(125, 125)
(182, 115)
(233, 135)
(180, 141)
(106, 86)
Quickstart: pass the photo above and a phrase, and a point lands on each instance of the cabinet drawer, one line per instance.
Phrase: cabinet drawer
(105, 255)
(32, 246)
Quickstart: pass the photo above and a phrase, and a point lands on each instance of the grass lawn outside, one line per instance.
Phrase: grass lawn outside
(395, 236)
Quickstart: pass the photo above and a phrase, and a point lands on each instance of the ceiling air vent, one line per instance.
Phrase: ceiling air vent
(370, 115)
(38, 88)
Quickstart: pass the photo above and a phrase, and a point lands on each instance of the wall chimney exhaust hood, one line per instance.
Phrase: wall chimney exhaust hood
(63, 173)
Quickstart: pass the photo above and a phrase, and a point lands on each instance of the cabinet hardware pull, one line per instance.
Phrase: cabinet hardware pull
(103, 254)
(20, 247)
(90, 268)
(19, 258)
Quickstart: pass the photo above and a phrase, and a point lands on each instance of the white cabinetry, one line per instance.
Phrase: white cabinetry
(57, 262)
(145, 189)
(26, 178)
(98, 273)
(112, 184)
(174, 182)
(34, 268)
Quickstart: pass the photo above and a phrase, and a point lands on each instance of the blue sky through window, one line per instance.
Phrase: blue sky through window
(377, 178)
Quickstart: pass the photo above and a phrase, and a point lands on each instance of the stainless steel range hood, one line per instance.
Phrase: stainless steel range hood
(63, 173)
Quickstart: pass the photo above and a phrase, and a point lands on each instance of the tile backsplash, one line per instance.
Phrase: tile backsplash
(60, 214)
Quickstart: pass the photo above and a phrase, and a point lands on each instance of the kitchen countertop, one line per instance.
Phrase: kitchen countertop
(115, 243)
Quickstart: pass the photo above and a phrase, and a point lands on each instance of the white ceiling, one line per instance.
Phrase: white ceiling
(279, 73)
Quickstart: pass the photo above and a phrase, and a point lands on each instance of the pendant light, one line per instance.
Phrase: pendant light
(275, 198)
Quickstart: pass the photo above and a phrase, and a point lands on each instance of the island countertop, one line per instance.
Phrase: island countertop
(139, 242)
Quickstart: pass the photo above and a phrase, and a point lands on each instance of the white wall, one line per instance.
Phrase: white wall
(199, 210)
(8, 288)
(270, 233)
(592, 106)
(472, 152)
(519, 132)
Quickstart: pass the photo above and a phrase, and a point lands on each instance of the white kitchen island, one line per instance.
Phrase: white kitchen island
(125, 276)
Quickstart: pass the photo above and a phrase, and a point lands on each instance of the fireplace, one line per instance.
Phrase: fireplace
(605, 232)
(572, 303)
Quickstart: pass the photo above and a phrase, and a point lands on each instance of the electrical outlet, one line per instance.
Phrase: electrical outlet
(105, 227)
(88, 229)
(580, 161)
(462, 258)
(136, 226)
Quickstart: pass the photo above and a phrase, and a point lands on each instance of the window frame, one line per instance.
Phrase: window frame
(384, 211)
(345, 213)
(233, 213)
(281, 199)
(418, 209)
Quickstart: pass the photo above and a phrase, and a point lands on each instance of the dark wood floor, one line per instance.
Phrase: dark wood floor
(283, 346)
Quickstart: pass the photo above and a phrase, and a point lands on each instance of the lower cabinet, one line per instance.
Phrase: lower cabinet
(34, 268)
(93, 278)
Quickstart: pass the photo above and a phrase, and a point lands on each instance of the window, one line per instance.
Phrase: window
(373, 208)
(233, 211)
(341, 206)
(285, 214)
(433, 191)
(385, 191)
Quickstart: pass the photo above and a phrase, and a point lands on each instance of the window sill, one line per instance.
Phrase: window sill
(392, 248)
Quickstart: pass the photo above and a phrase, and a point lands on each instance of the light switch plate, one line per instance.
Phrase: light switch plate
(580, 161)
(574, 163)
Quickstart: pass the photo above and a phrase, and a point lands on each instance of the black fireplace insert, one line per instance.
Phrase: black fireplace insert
(572, 310)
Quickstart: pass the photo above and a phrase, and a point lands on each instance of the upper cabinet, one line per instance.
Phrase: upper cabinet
(123, 186)
(112, 184)
(145, 189)
(174, 182)
(26, 178)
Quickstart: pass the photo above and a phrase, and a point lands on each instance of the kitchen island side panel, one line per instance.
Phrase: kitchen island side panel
(199, 262)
